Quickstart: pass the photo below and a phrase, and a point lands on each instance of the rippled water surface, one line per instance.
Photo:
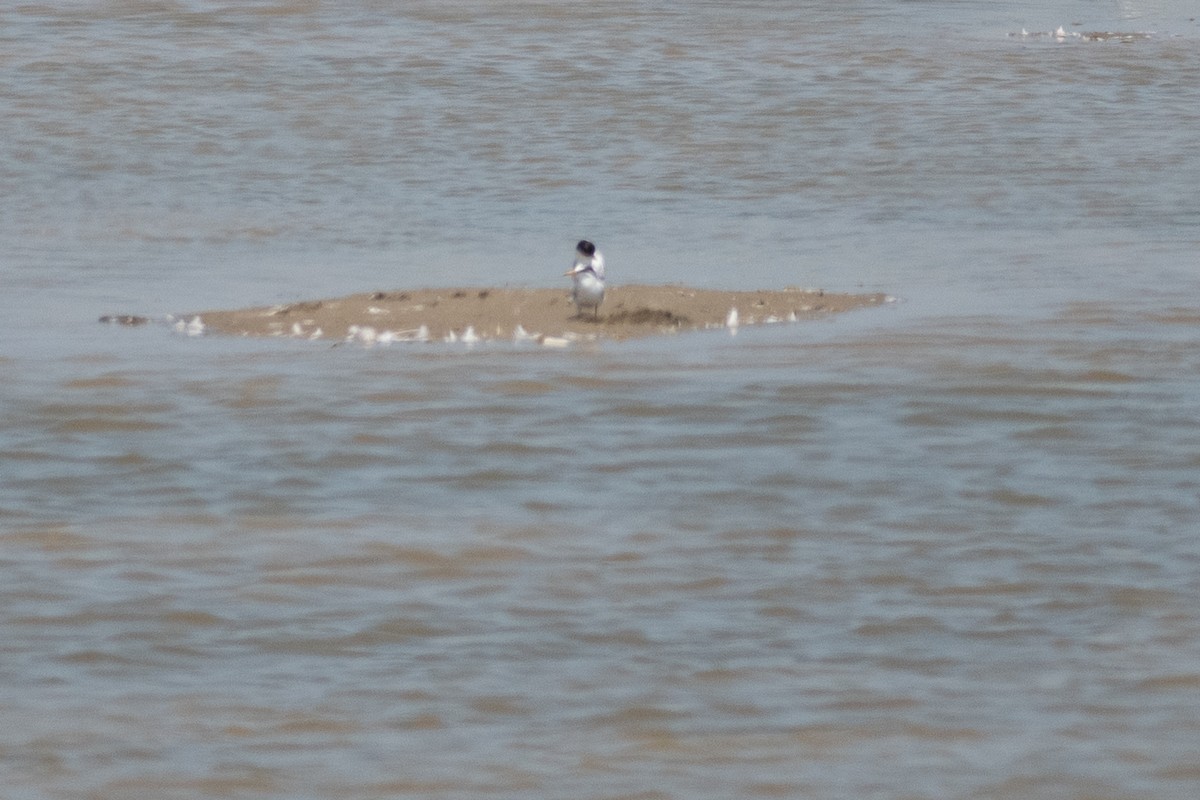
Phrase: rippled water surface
(946, 548)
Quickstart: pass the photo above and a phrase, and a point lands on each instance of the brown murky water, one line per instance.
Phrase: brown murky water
(945, 548)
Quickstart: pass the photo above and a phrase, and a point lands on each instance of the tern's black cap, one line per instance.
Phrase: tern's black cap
(586, 247)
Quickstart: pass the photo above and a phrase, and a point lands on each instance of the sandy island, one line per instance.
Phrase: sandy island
(545, 316)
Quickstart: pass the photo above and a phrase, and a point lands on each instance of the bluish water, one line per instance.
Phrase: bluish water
(941, 549)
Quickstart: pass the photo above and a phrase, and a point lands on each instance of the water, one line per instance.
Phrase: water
(943, 549)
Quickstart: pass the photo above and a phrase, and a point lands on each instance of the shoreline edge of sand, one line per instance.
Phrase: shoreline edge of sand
(544, 316)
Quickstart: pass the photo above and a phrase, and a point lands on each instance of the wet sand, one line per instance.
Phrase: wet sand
(546, 316)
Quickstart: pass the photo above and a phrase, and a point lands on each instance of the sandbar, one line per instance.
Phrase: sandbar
(544, 316)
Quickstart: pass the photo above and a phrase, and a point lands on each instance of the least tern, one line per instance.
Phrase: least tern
(588, 272)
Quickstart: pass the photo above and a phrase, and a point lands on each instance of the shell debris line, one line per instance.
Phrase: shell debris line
(192, 327)
(545, 317)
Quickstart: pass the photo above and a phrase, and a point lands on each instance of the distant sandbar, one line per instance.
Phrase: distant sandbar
(545, 316)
